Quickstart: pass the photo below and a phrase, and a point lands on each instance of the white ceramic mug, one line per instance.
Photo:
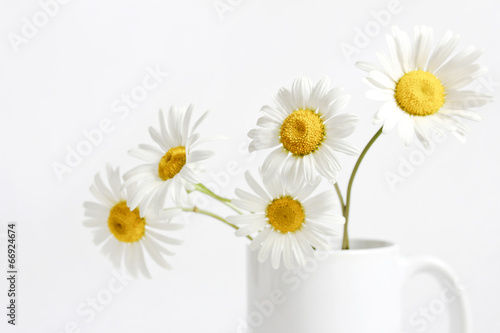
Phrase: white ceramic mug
(354, 291)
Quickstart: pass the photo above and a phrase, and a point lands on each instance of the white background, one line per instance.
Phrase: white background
(65, 78)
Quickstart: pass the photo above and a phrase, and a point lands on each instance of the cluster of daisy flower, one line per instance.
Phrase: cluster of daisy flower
(423, 92)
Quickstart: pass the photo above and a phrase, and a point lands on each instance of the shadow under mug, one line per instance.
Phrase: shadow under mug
(354, 291)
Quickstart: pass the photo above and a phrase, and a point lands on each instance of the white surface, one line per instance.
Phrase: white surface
(66, 78)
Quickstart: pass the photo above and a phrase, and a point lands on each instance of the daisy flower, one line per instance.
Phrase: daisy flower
(171, 166)
(287, 221)
(126, 236)
(307, 129)
(422, 86)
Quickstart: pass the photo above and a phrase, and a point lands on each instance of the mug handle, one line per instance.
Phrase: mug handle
(443, 272)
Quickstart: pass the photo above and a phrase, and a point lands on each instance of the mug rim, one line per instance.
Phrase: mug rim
(370, 246)
(367, 245)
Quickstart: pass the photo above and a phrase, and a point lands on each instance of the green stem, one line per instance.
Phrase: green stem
(215, 216)
(345, 242)
(203, 189)
(341, 199)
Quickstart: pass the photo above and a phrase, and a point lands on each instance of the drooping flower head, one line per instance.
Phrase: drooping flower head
(170, 168)
(307, 129)
(287, 221)
(127, 237)
(422, 86)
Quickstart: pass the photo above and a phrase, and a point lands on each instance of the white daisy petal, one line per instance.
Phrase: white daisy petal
(244, 195)
(296, 249)
(250, 206)
(403, 48)
(245, 219)
(343, 146)
(114, 181)
(366, 66)
(466, 114)
(381, 80)
(324, 167)
(342, 125)
(274, 160)
(257, 240)
(166, 226)
(263, 139)
(256, 187)
(186, 122)
(199, 121)
(316, 110)
(389, 67)
(116, 254)
(147, 156)
(199, 155)
(392, 120)
(385, 111)
(104, 189)
(100, 235)
(141, 261)
(155, 254)
(286, 229)
(277, 250)
(188, 174)
(122, 230)
(287, 251)
(406, 129)
(428, 95)
(423, 47)
(320, 89)
(380, 95)
(251, 229)
(284, 102)
(266, 247)
(445, 48)
(164, 239)
(158, 139)
(268, 123)
(130, 257)
(94, 223)
(301, 89)
(100, 209)
(165, 134)
(275, 114)
(337, 105)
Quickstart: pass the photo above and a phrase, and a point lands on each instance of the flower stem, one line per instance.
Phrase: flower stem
(345, 242)
(203, 189)
(341, 198)
(215, 216)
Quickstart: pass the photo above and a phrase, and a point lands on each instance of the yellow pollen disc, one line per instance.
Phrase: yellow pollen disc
(172, 162)
(285, 214)
(302, 132)
(419, 93)
(126, 225)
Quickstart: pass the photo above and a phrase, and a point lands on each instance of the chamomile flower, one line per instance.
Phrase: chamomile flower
(287, 221)
(306, 128)
(170, 168)
(422, 86)
(127, 237)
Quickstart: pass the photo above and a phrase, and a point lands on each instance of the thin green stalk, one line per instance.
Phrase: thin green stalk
(341, 198)
(215, 216)
(203, 189)
(345, 242)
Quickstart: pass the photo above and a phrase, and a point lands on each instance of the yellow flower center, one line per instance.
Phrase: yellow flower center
(172, 162)
(302, 132)
(285, 214)
(126, 225)
(419, 93)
